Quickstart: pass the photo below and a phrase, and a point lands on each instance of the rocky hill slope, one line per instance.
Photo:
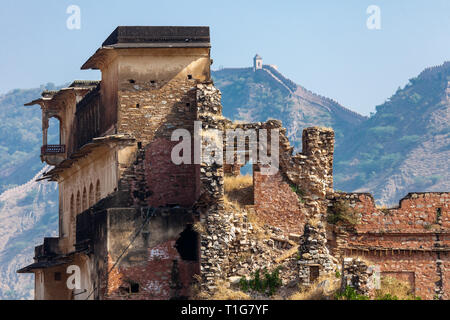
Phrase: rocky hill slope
(405, 145)
(21, 136)
(28, 209)
(262, 94)
(28, 213)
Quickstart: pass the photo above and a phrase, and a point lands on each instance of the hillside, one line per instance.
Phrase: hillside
(21, 136)
(28, 209)
(27, 213)
(266, 94)
(405, 145)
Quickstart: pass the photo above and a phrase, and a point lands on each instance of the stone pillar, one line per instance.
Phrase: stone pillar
(44, 128)
(214, 240)
(318, 146)
(357, 274)
(314, 254)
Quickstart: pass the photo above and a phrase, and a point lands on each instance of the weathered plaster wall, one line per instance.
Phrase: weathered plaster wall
(154, 261)
(82, 185)
(53, 289)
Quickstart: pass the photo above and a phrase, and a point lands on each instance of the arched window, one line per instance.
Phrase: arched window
(54, 131)
(72, 220)
(97, 191)
(84, 199)
(78, 202)
(91, 195)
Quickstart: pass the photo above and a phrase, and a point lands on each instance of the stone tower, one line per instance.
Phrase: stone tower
(257, 62)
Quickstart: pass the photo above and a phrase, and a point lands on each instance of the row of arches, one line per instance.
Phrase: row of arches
(82, 201)
(85, 200)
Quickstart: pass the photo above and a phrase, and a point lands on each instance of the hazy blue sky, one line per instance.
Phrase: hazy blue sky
(323, 45)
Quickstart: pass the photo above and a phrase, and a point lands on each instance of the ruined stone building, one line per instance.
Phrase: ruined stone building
(129, 217)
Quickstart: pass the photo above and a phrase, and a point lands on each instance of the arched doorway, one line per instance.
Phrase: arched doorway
(91, 195)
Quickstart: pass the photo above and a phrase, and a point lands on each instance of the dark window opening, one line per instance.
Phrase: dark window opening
(188, 104)
(137, 105)
(134, 287)
(313, 273)
(128, 287)
(123, 290)
(187, 244)
(132, 81)
(190, 76)
(139, 145)
(152, 81)
(438, 214)
(57, 276)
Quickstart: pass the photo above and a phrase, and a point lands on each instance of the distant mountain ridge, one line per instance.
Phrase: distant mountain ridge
(405, 145)
(257, 95)
(298, 90)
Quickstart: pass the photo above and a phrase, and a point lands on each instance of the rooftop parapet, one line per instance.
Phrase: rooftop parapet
(129, 37)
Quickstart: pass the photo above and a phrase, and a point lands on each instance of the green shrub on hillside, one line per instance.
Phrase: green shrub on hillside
(268, 283)
(383, 131)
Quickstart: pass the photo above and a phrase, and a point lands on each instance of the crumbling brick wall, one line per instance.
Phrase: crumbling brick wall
(412, 238)
(166, 182)
(417, 212)
(298, 189)
(150, 112)
(426, 272)
(312, 169)
(276, 204)
(164, 276)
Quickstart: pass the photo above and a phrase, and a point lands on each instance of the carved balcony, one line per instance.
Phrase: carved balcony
(53, 154)
(53, 149)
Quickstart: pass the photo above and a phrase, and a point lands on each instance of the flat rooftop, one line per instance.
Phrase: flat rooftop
(158, 37)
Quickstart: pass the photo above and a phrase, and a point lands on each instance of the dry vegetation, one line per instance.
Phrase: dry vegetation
(239, 190)
(199, 228)
(223, 292)
(238, 196)
(314, 221)
(288, 254)
(386, 211)
(323, 288)
(392, 287)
